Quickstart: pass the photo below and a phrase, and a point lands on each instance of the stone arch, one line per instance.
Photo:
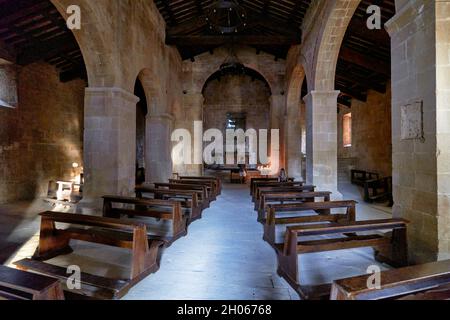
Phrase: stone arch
(246, 56)
(99, 66)
(158, 128)
(322, 44)
(249, 71)
(293, 129)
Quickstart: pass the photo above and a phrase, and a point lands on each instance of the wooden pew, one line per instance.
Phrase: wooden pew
(150, 208)
(216, 180)
(359, 177)
(211, 185)
(280, 188)
(188, 199)
(21, 285)
(202, 191)
(272, 198)
(388, 249)
(253, 180)
(307, 212)
(422, 282)
(271, 183)
(376, 190)
(130, 235)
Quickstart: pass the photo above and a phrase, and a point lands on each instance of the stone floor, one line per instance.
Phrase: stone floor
(223, 256)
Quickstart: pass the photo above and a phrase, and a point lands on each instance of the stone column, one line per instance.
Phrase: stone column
(109, 142)
(420, 125)
(158, 151)
(277, 121)
(193, 111)
(294, 142)
(321, 140)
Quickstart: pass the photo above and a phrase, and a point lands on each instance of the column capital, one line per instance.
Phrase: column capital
(312, 95)
(114, 91)
(161, 117)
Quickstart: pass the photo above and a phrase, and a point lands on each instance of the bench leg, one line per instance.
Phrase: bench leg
(144, 257)
(395, 254)
(51, 244)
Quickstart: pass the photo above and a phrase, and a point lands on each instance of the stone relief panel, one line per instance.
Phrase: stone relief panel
(412, 121)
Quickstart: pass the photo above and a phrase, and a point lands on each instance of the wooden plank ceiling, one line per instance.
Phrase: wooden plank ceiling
(271, 25)
(33, 30)
(275, 25)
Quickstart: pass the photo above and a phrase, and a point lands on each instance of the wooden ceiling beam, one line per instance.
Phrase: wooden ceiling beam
(358, 28)
(361, 81)
(353, 93)
(46, 50)
(250, 40)
(365, 61)
(7, 53)
(166, 4)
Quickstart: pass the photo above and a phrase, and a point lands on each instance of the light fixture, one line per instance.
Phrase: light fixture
(232, 65)
(226, 17)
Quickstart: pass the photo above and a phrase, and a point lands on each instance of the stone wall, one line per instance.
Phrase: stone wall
(42, 137)
(196, 74)
(420, 53)
(236, 94)
(371, 133)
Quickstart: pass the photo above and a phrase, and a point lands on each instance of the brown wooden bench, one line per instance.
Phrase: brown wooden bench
(150, 208)
(211, 185)
(429, 281)
(273, 198)
(22, 285)
(378, 190)
(258, 185)
(254, 180)
(188, 199)
(216, 180)
(307, 212)
(202, 191)
(359, 177)
(271, 183)
(130, 235)
(280, 189)
(389, 249)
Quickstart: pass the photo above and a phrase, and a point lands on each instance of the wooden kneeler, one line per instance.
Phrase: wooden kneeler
(392, 250)
(111, 232)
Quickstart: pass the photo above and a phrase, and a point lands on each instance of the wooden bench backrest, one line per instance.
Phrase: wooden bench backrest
(190, 198)
(394, 283)
(150, 208)
(217, 181)
(258, 184)
(283, 189)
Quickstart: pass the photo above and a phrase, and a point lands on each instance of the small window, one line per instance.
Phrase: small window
(347, 134)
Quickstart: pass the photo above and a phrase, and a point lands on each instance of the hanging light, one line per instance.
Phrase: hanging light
(226, 16)
(232, 65)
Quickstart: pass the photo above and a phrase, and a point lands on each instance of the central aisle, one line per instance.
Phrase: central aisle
(223, 257)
